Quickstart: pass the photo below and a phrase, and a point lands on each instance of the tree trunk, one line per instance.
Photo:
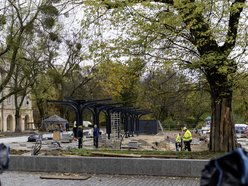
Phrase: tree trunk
(222, 137)
(17, 121)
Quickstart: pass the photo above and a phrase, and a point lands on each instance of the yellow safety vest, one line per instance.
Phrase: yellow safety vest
(187, 136)
(178, 138)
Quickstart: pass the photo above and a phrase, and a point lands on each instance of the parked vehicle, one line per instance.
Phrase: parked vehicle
(241, 128)
(205, 130)
(33, 137)
(86, 124)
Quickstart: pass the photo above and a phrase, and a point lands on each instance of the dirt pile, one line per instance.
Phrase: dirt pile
(161, 142)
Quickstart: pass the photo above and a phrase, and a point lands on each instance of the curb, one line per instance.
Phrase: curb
(109, 165)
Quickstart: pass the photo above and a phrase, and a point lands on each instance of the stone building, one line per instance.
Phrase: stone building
(7, 115)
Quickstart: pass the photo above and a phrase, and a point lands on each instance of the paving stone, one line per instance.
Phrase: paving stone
(11, 178)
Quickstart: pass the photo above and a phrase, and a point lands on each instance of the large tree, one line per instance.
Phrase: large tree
(174, 98)
(24, 25)
(240, 106)
(198, 35)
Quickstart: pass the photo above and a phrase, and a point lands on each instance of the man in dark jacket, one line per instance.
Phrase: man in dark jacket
(80, 136)
(74, 131)
(96, 135)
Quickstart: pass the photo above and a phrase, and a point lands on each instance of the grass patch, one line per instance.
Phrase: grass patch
(178, 154)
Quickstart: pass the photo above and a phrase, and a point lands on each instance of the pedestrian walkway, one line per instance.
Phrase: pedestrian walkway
(10, 178)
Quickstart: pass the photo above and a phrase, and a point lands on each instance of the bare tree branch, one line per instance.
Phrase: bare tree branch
(235, 11)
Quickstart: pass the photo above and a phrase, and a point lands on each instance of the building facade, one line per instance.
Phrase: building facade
(8, 111)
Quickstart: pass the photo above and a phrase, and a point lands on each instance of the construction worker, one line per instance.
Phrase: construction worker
(178, 141)
(187, 138)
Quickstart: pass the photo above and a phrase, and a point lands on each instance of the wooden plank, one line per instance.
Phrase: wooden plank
(133, 155)
(63, 177)
(159, 156)
(129, 148)
(115, 155)
(56, 135)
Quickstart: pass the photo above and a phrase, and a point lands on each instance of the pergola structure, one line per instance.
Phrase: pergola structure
(79, 106)
(129, 115)
(130, 119)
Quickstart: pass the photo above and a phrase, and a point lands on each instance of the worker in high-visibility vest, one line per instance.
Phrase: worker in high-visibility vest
(187, 138)
(178, 141)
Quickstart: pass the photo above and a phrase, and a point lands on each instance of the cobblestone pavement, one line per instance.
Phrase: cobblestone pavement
(10, 178)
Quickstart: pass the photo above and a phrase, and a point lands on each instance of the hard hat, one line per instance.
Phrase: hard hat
(184, 128)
